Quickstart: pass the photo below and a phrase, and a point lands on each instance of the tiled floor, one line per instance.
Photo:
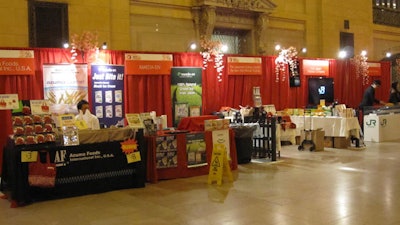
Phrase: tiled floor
(332, 187)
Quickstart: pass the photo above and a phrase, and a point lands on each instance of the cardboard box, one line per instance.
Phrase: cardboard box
(317, 136)
(341, 142)
(328, 142)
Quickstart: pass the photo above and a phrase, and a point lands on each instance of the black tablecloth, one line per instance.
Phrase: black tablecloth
(82, 169)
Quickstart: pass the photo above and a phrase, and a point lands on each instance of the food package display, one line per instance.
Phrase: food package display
(70, 135)
(33, 129)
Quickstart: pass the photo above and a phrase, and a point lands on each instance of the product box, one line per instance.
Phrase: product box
(217, 124)
(341, 142)
(328, 142)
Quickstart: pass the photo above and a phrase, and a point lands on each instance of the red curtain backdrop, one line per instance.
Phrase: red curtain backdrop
(145, 93)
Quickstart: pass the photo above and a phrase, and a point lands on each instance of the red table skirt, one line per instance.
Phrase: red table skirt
(195, 123)
(182, 170)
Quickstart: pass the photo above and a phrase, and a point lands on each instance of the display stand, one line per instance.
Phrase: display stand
(82, 169)
(182, 169)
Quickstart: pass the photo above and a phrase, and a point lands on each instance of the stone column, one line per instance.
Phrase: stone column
(207, 21)
(260, 27)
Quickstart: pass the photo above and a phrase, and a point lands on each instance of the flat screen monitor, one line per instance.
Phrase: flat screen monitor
(320, 88)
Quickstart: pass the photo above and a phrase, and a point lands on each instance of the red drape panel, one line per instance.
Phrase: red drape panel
(349, 88)
(145, 93)
(275, 89)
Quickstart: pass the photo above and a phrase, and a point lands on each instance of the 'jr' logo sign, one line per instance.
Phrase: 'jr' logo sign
(371, 123)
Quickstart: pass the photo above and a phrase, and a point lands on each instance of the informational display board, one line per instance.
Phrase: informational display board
(196, 150)
(108, 94)
(64, 86)
(186, 92)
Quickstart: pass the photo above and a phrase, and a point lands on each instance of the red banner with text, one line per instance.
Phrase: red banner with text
(148, 64)
(17, 62)
(244, 66)
(374, 69)
(315, 67)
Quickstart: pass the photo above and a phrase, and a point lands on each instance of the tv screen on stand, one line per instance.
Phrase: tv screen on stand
(320, 88)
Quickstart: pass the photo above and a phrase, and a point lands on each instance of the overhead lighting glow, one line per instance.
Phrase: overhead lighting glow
(363, 53)
(193, 46)
(342, 54)
(104, 46)
(224, 48)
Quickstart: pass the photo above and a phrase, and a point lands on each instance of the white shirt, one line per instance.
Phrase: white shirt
(91, 120)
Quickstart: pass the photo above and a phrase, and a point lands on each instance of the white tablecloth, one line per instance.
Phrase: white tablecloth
(333, 126)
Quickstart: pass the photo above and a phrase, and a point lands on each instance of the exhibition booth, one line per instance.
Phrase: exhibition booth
(160, 114)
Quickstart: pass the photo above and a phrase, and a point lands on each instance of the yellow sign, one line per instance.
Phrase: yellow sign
(219, 165)
(81, 124)
(133, 157)
(66, 120)
(29, 156)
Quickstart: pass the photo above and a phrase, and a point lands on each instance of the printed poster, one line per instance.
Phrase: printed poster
(196, 150)
(166, 151)
(186, 92)
(108, 94)
(9, 101)
(64, 86)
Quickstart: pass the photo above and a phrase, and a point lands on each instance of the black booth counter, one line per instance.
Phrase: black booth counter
(98, 164)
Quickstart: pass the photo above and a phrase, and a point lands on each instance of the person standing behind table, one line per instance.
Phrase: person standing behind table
(394, 97)
(368, 100)
(369, 96)
(84, 114)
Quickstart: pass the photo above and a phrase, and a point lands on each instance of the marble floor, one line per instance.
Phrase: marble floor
(332, 187)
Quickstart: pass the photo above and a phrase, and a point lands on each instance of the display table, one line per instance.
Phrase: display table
(195, 123)
(182, 170)
(82, 169)
(333, 126)
(379, 128)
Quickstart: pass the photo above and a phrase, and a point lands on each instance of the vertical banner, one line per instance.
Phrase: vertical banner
(108, 93)
(186, 92)
(196, 150)
(64, 86)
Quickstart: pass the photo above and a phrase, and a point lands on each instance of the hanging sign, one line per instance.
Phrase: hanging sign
(17, 62)
(315, 67)
(244, 66)
(148, 64)
(374, 69)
